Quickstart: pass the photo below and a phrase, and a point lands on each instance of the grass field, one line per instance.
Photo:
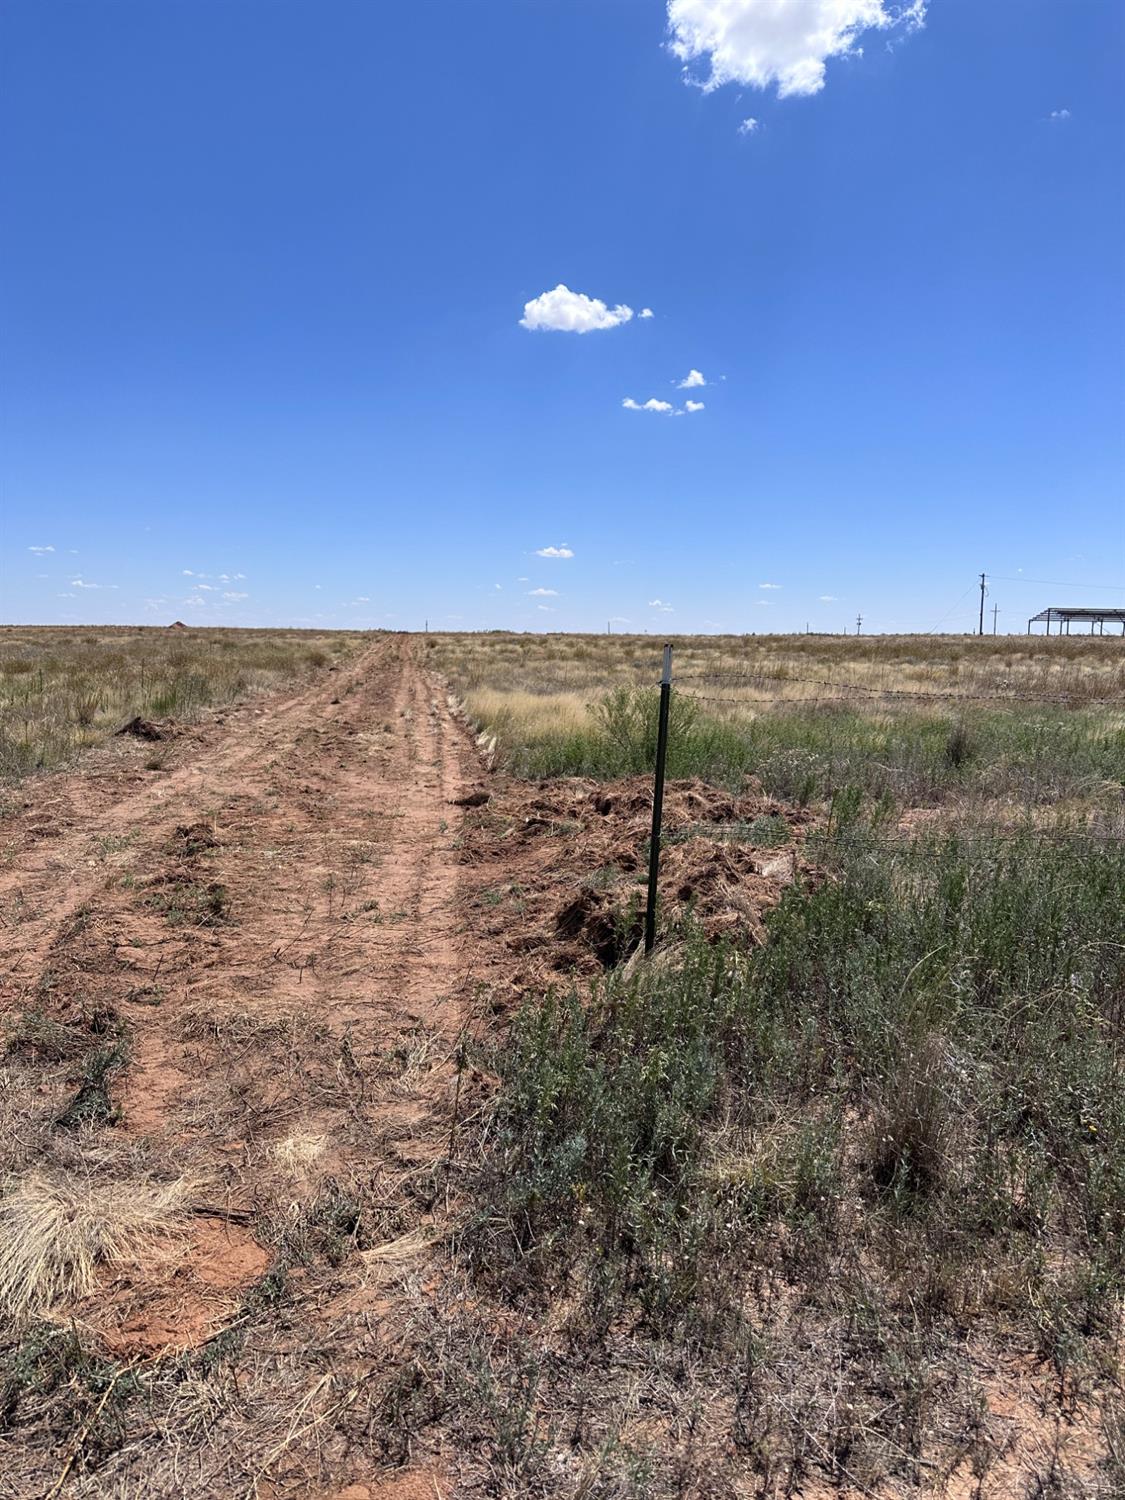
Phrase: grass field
(836, 1212)
(846, 1177)
(63, 690)
(999, 727)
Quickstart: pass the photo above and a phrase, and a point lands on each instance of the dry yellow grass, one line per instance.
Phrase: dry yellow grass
(56, 1231)
(525, 670)
(63, 690)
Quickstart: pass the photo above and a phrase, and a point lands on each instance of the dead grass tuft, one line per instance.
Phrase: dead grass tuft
(56, 1231)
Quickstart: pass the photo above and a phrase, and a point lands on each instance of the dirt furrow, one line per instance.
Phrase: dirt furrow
(274, 938)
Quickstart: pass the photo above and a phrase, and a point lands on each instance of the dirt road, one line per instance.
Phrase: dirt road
(267, 928)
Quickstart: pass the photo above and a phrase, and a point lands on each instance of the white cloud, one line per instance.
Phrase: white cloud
(40, 550)
(782, 42)
(572, 312)
(828, 598)
(234, 597)
(546, 608)
(543, 593)
(769, 585)
(652, 404)
(208, 588)
(661, 605)
(561, 551)
(646, 312)
(691, 380)
(78, 583)
(1056, 114)
(66, 596)
(187, 573)
(749, 126)
(693, 406)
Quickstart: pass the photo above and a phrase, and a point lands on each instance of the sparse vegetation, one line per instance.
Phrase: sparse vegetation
(827, 1196)
(63, 690)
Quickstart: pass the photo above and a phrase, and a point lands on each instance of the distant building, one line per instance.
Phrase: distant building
(1062, 615)
(177, 625)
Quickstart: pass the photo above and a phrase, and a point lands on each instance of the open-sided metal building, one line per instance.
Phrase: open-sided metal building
(1062, 616)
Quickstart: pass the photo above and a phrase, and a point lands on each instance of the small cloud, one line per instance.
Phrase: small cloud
(546, 608)
(66, 596)
(646, 312)
(828, 598)
(522, 580)
(691, 380)
(619, 619)
(661, 605)
(497, 585)
(565, 311)
(79, 583)
(40, 550)
(652, 404)
(235, 597)
(208, 588)
(1059, 114)
(361, 599)
(749, 126)
(769, 585)
(693, 406)
(543, 593)
(560, 551)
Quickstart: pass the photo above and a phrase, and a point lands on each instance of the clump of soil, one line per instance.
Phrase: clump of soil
(143, 729)
(564, 865)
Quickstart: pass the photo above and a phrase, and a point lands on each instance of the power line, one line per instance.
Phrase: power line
(1055, 583)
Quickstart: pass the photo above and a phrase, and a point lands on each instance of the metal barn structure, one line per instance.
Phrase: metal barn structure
(1062, 616)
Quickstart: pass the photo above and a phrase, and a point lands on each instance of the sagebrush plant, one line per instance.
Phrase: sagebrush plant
(926, 1051)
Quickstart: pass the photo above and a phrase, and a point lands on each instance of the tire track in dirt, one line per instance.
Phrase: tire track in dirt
(291, 1040)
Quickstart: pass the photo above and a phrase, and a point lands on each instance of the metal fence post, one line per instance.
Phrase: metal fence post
(658, 799)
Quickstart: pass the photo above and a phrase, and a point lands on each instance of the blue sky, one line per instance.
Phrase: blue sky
(266, 261)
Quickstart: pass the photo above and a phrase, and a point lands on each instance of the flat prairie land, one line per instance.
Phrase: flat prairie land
(349, 1148)
(64, 689)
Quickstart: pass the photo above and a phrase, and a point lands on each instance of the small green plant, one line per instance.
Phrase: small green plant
(92, 1105)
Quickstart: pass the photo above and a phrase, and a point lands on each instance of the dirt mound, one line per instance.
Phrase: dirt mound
(574, 853)
(143, 729)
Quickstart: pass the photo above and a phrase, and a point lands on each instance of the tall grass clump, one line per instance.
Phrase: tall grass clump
(921, 1072)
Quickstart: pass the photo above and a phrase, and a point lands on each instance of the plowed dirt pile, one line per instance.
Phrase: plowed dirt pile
(563, 864)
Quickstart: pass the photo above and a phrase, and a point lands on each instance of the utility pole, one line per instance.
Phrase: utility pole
(858, 623)
(980, 628)
(995, 612)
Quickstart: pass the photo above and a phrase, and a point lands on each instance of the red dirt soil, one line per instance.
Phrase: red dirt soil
(296, 921)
